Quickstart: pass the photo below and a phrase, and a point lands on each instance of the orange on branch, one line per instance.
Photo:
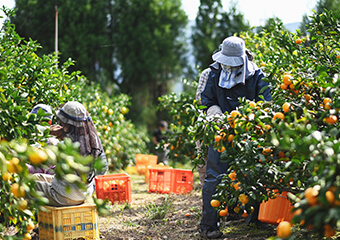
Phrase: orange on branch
(286, 107)
(286, 79)
(223, 212)
(215, 203)
(331, 119)
(278, 115)
(284, 229)
(243, 198)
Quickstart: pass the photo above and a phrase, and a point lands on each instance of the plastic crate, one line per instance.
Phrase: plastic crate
(276, 210)
(144, 160)
(182, 181)
(147, 174)
(68, 223)
(115, 187)
(160, 180)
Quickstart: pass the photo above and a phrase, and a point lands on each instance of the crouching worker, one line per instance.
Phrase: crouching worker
(77, 125)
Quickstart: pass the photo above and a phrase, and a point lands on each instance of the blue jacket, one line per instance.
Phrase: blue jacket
(228, 99)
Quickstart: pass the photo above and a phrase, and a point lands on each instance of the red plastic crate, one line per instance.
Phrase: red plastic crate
(115, 187)
(182, 181)
(160, 180)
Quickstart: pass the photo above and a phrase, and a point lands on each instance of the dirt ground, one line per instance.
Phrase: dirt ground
(132, 221)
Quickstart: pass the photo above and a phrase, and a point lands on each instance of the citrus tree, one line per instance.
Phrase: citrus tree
(290, 143)
(26, 80)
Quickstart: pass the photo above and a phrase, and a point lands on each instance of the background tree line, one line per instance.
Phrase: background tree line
(136, 47)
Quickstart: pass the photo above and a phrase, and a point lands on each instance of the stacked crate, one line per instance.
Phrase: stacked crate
(68, 223)
(143, 161)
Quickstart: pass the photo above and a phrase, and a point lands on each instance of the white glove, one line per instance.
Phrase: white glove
(214, 113)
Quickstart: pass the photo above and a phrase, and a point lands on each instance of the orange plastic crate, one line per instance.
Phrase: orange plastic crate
(115, 187)
(68, 223)
(160, 180)
(276, 210)
(147, 174)
(182, 181)
(144, 160)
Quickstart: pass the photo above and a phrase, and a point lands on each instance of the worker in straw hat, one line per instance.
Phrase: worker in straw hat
(232, 76)
(77, 125)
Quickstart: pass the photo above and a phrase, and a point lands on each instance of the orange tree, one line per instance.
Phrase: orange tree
(183, 111)
(292, 142)
(19, 200)
(26, 80)
(121, 139)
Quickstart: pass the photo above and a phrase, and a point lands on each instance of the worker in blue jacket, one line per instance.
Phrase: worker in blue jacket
(232, 76)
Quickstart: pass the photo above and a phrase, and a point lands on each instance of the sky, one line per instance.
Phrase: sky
(254, 11)
(258, 11)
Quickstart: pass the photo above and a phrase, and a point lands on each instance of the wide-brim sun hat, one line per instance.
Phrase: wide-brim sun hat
(73, 113)
(47, 109)
(232, 53)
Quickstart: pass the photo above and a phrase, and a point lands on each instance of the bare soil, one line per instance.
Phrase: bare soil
(132, 221)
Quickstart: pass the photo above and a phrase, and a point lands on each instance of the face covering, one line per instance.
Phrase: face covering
(231, 76)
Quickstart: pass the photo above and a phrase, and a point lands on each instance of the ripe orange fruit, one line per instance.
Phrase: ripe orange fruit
(13, 165)
(230, 138)
(232, 176)
(27, 236)
(252, 104)
(331, 119)
(268, 127)
(223, 135)
(286, 79)
(6, 176)
(17, 190)
(187, 215)
(236, 185)
(245, 214)
(284, 229)
(236, 209)
(222, 149)
(298, 41)
(327, 100)
(218, 138)
(223, 212)
(215, 203)
(243, 198)
(330, 196)
(267, 151)
(311, 194)
(278, 115)
(283, 86)
(37, 156)
(235, 113)
(285, 107)
(281, 154)
(30, 226)
(329, 231)
(297, 212)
